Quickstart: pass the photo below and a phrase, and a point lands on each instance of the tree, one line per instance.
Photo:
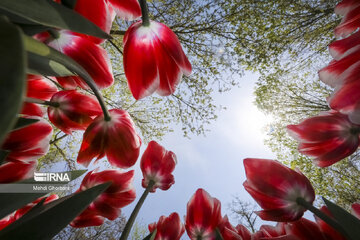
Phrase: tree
(244, 212)
(110, 230)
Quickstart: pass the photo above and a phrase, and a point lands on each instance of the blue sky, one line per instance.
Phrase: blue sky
(213, 162)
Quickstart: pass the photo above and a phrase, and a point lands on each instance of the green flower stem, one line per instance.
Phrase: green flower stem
(144, 13)
(334, 224)
(131, 220)
(42, 102)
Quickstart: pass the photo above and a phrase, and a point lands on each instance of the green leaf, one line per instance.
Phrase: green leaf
(69, 3)
(151, 236)
(45, 221)
(50, 13)
(349, 222)
(9, 202)
(23, 122)
(41, 65)
(218, 235)
(12, 75)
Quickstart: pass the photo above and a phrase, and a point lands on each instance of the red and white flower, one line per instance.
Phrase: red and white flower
(229, 232)
(117, 139)
(153, 59)
(28, 143)
(92, 57)
(75, 111)
(203, 215)
(157, 165)
(276, 189)
(168, 227)
(109, 203)
(328, 137)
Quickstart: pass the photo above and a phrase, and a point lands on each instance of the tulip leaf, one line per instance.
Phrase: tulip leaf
(12, 75)
(349, 222)
(23, 122)
(151, 236)
(45, 221)
(69, 3)
(41, 65)
(52, 14)
(9, 202)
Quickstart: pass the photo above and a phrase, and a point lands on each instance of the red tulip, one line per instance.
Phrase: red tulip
(342, 71)
(32, 109)
(168, 228)
(203, 215)
(228, 232)
(22, 211)
(87, 218)
(92, 57)
(304, 229)
(16, 170)
(273, 232)
(346, 6)
(157, 164)
(108, 204)
(126, 9)
(153, 59)
(28, 143)
(115, 138)
(75, 110)
(276, 189)
(98, 12)
(329, 137)
(344, 47)
(327, 230)
(355, 207)
(350, 22)
(40, 88)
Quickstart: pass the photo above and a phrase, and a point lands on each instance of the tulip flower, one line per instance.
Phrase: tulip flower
(16, 170)
(342, 71)
(304, 229)
(277, 188)
(355, 207)
(153, 59)
(108, 204)
(346, 6)
(229, 232)
(28, 143)
(92, 57)
(32, 109)
(74, 110)
(168, 227)
(350, 21)
(328, 137)
(116, 138)
(157, 164)
(203, 215)
(40, 88)
(273, 232)
(344, 47)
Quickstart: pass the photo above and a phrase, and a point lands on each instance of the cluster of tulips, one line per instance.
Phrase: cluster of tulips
(154, 61)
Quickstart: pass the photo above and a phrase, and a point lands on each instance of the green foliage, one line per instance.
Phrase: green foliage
(12, 70)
